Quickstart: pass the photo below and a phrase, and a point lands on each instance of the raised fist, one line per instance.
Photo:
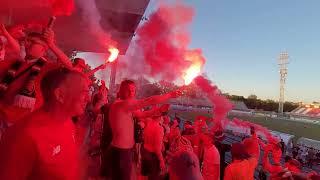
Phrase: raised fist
(48, 35)
(3, 29)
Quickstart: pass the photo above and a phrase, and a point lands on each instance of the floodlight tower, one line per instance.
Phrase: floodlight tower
(283, 61)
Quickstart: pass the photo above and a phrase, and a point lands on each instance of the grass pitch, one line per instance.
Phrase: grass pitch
(299, 129)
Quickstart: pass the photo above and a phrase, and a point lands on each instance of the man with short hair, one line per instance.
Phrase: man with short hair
(43, 145)
(121, 116)
(242, 166)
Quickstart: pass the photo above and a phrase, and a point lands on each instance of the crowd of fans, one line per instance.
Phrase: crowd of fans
(307, 156)
(57, 123)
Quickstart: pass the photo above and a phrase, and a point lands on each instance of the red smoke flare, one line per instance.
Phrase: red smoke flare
(197, 60)
(258, 128)
(164, 39)
(221, 105)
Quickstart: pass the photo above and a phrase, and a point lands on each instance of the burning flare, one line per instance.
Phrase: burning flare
(197, 61)
(114, 52)
(191, 73)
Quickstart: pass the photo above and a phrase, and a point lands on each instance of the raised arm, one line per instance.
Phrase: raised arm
(90, 73)
(265, 162)
(13, 43)
(153, 100)
(154, 111)
(62, 57)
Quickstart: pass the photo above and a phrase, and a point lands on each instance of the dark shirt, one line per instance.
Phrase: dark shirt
(262, 175)
(105, 142)
(222, 148)
(106, 131)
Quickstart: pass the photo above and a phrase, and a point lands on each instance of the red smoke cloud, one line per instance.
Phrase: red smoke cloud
(258, 128)
(164, 39)
(221, 105)
(57, 7)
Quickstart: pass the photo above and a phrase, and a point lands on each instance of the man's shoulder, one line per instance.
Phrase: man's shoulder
(32, 122)
(32, 118)
(22, 126)
(115, 106)
(213, 152)
(214, 149)
(120, 104)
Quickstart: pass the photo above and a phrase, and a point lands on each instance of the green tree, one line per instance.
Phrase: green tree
(252, 96)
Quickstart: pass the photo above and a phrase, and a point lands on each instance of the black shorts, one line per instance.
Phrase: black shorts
(121, 160)
(150, 164)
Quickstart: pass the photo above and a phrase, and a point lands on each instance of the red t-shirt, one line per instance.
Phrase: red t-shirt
(153, 137)
(252, 146)
(241, 170)
(211, 164)
(293, 166)
(39, 149)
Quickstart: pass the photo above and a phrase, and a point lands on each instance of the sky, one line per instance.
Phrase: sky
(242, 40)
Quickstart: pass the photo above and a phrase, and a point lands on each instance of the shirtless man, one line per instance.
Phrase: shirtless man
(121, 116)
(43, 145)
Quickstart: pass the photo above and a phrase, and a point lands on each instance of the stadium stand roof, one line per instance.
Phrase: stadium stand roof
(120, 18)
